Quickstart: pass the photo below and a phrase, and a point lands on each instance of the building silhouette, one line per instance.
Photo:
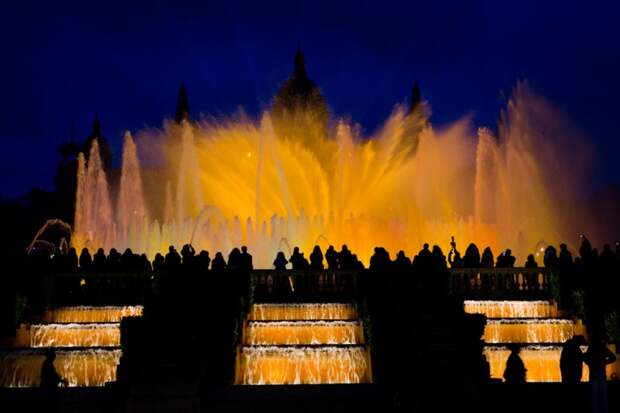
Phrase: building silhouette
(299, 107)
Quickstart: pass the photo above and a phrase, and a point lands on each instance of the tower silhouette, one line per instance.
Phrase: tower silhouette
(416, 98)
(299, 106)
(182, 112)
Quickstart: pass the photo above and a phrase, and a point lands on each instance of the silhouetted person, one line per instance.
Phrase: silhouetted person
(356, 264)
(585, 250)
(203, 261)
(438, 259)
(486, 261)
(173, 259)
(515, 368)
(158, 263)
(71, 260)
(567, 277)
(246, 259)
(127, 261)
(86, 262)
(571, 360)
(295, 259)
(380, 261)
(114, 261)
(455, 260)
(597, 357)
(402, 263)
(505, 260)
(316, 258)
(305, 264)
(550, 259)
(345, 258)
(234, 260)
(218, 263)
(565, 258)
(187, 255)
(50, 379)
(423, 261)
(472, 256)
(454, 256)
(145, 264)
(530, 262)
(280, 262)
(331, 256)
(99, 261)
(618, 250)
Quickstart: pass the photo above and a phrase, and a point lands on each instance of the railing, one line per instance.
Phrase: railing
(296, 285)
(501, 283)
(303, 285)
(98, 288)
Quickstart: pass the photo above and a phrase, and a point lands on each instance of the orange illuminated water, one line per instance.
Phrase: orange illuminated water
(87, 314)
(512, 309)
(91, 367)
(530, 331)
(303, 344)
(75, 335)
(95, 330)
(224, 183)
(331, 311)
(303, 332)
(303, 365)
(542, 363)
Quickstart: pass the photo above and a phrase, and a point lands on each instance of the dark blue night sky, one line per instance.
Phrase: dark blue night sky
(63, 62)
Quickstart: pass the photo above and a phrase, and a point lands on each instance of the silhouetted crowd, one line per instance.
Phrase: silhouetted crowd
(344, 259)
(187, 260)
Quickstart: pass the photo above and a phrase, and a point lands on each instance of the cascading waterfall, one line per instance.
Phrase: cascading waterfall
(94, 332)
(512, 309)
(331, 311)
(536, 326)
(75, 335)
(303, 365)
(303, 332)
(238, 182)
(83, 368)
(530, 331)
(303, 344)
(542, 362)
(89, 314)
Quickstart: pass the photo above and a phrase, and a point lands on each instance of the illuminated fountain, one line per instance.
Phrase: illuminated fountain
(94, 334)
(75, 335)
(303, 365)
(317, 348)
(303, 332)
(541, 361)
(512, 309)
(84, 367)
(221, 184)
(89, 314)
(530, 330)
(331, 311)
(537, 326)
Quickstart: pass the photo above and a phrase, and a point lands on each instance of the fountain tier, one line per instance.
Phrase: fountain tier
(330, 311)
(512, 309)
(303, 332)
(88, 314)
(303, 365)
(75, 335)
(84, 368)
